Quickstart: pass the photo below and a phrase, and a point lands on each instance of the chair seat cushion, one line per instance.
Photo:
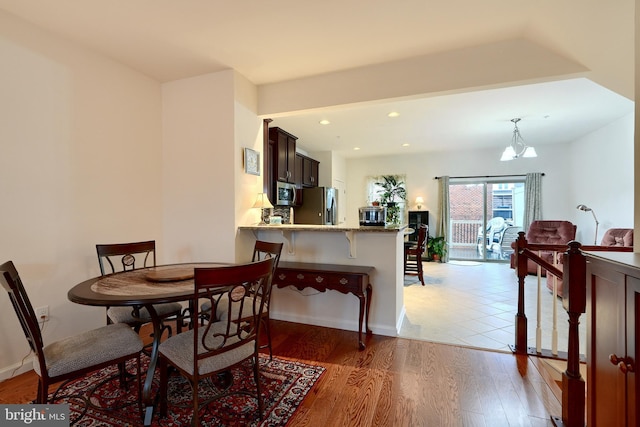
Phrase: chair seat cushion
(90, 348)
(124, 314)
(179, 350)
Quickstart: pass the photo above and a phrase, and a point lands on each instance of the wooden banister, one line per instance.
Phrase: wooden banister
(574, 275)
(574, 301)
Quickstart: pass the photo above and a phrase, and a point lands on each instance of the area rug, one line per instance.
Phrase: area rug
(284, 386)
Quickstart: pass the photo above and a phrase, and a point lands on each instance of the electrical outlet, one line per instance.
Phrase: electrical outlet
(42, 313)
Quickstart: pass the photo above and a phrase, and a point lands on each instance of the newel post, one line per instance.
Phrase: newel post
(574, 301)
(521, 272)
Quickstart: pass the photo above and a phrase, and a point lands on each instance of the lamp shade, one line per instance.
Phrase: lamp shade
(262, 201)
(419, 202)
(508, 154)
(530, 152)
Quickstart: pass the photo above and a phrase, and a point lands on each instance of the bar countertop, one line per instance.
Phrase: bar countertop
(324, 228)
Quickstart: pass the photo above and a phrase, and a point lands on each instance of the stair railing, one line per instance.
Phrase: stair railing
(574, 298)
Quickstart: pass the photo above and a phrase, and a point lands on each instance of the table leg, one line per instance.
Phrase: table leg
(360, 319)
(369, 292)
(147, 399)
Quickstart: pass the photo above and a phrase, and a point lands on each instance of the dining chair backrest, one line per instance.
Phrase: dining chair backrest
(422, 238)
(265, 250)
(12, 283)
(125, 256)
(240, 324)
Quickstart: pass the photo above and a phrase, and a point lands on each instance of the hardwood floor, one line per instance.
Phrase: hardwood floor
(397, 382)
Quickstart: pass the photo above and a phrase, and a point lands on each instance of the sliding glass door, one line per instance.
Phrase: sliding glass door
(485, 215)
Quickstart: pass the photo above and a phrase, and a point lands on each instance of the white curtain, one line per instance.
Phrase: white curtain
(533, 195)
(442, 226)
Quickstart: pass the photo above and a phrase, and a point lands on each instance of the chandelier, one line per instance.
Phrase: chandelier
(517, 148)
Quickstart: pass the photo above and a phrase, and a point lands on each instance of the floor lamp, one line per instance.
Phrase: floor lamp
(588, 209)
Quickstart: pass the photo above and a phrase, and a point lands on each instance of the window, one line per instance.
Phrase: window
(389, 191)
(480, 212)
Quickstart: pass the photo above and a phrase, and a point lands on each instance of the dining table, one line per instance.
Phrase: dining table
(139, 288)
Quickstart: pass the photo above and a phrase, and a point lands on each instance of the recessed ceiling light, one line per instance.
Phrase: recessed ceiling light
(356, 148)
(324, 122)
(406, 144)
(393, 114)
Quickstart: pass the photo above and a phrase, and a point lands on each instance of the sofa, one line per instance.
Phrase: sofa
(612, 237)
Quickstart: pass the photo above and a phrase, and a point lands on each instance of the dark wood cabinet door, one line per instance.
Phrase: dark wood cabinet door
(309, 172)
(269, 177)
(633, 350)
(606, 391)
(314, 172)
(282, 159)
(291, 159)
(285, 154)
(298, 171)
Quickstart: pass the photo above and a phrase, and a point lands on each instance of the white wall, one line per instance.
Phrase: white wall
(208, 120)
(248, 132)
(198, 170)
(494, 65)
(81, 145)
(602, 178)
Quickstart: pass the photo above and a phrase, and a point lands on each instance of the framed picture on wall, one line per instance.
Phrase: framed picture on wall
(251, 161)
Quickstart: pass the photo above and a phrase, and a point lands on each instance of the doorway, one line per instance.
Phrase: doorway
(485, 214)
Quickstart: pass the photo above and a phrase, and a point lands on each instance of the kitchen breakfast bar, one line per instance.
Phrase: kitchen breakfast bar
(354, 259)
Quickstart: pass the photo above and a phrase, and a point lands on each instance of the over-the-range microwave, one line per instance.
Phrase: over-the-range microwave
(286, 194)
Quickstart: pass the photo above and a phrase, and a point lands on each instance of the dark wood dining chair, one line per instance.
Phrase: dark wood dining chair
(413, 254)
(123, 257)
(265, 250)
(262, 250)
(72, 357)
(216, 347)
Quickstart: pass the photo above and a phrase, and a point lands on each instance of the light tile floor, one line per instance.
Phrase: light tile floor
(474, 304)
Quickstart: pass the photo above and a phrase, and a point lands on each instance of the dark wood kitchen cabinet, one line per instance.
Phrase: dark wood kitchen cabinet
(285, 154)
(298, 171)
(613, 324)
(309, 171)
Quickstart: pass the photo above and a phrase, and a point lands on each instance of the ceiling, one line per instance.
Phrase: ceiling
(281, 40)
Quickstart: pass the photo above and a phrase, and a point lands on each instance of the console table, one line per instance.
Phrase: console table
(346, 279)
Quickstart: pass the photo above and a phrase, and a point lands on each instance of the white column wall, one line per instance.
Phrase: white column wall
(199, 168)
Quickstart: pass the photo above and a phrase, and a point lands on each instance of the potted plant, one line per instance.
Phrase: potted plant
(437, 247)
(393, 192)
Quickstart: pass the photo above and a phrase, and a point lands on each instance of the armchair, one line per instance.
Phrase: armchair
(551, 233)
(622, 237)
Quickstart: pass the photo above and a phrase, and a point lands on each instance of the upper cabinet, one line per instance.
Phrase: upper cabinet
(309, 171)
(282, 163)
(285, 154)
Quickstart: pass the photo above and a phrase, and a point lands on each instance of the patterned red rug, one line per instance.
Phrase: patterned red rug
(284, 385)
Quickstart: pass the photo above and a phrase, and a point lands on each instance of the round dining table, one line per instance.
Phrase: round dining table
(142, 288)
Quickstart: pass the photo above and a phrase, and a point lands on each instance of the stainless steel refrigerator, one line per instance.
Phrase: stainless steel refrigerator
(319, 206)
